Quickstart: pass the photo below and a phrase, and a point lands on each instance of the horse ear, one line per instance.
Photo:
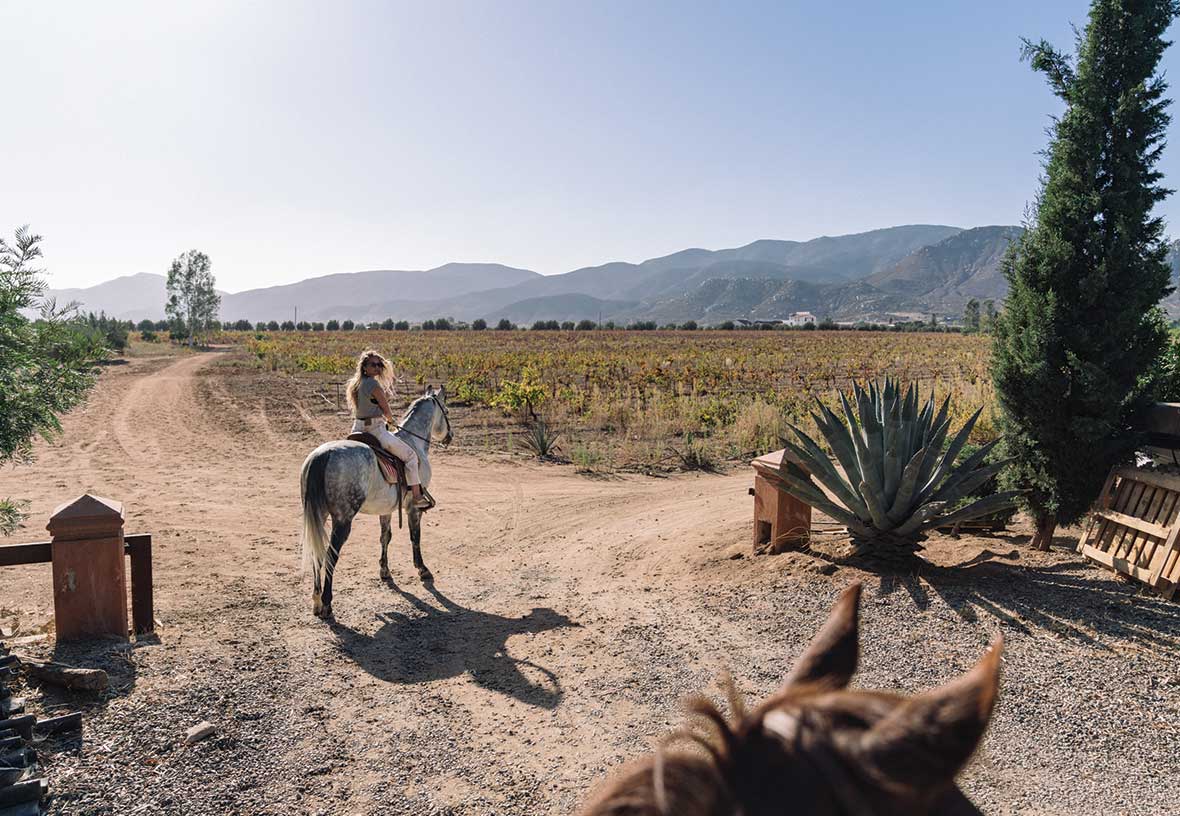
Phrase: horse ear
(830, 659)
(441, 393)
(429, 390)
(928, 739)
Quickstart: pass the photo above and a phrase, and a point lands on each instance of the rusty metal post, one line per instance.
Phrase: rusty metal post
(89, 574)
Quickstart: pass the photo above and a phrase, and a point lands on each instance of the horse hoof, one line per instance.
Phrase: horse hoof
(322, 611)
(385, 576)
(426, 575)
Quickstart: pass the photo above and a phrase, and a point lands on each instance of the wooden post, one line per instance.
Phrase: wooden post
(143, 613)
(89, 575)
(781, 522)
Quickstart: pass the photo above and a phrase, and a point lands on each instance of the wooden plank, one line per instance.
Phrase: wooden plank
(1122, 530)
(1146, 554)
(1132, 523)
(1118, 564)
(1167, 481)
(1138, 512)
(1161, 556)
(14, 555)
(41, 552)
(143, 613)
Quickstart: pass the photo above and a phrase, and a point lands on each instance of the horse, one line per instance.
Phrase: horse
(341, 478)
(815, 747)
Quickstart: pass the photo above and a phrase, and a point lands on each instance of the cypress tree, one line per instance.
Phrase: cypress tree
(1081, 328)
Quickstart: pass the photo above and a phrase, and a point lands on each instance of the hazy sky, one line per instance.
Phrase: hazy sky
(289, 140)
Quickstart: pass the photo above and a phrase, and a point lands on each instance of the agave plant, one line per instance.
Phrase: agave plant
(899, 474)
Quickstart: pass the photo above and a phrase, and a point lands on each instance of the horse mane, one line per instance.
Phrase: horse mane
(410, 408)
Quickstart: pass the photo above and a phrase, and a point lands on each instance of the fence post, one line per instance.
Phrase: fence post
(89, 575)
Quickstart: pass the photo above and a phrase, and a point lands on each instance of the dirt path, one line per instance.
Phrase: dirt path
(568, 618)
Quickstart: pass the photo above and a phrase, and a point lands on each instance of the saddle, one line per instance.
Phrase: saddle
(392, 468)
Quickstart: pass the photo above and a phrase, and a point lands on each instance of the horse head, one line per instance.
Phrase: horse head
(814, 747)
(440, 428)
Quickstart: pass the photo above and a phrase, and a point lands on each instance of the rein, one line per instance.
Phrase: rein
(426, 439)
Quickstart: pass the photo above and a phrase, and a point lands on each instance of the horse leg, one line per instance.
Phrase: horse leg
(386, 535)
(340, 530)
(415, 519)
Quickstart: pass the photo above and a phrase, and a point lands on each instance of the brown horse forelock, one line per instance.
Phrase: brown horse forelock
(816, 748)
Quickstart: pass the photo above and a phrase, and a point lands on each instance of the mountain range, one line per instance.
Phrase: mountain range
(898, 272)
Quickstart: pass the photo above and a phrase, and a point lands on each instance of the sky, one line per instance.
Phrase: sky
(294, 139)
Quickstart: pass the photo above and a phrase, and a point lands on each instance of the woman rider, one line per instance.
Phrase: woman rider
(370, 411)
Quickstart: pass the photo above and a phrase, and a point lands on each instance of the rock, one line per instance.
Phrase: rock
(68, 676)
(199, 732)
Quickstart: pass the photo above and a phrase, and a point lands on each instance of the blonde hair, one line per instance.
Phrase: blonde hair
(354, 384)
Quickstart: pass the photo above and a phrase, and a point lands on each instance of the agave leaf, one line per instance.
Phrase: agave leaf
(919, 517)
(874, 433)
(825, 472)
(939, 418)
(932, 450)
(900, 509)
(952, 451)
(876, 509)
(894, 450)
(863, 459)
(966, 468)
(840, 441)
(985, 506)
(969, 482)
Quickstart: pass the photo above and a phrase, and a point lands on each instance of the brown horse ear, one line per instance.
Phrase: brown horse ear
(928, 739)
(830, 659)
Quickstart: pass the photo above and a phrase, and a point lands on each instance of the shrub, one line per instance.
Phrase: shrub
(898, 480)
(541, 440)
(479, 324)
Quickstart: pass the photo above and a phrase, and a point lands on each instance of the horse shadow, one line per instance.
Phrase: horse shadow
(450, 640)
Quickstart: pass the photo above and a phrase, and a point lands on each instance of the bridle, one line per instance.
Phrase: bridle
(446, 440)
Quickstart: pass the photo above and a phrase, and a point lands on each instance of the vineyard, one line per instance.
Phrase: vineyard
(621, 399)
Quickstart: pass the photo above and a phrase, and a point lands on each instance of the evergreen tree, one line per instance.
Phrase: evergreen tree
(1080, 327)
(192, 298)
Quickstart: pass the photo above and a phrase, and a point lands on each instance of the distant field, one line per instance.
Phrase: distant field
(624, 399)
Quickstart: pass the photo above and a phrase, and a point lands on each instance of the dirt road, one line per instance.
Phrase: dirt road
(568, 618)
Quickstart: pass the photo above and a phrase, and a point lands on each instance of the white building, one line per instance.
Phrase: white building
(800, 318)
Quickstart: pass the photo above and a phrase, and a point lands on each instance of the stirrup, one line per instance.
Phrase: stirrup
(425, 503)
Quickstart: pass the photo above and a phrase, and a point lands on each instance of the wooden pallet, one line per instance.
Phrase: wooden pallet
(1135, 527)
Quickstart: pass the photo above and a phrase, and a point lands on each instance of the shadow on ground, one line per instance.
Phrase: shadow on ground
(450, 640)
(1067, 598)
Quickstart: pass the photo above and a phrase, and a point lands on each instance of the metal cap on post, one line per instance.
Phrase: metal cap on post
(89, 575)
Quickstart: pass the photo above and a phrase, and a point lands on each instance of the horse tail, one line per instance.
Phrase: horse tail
(315, 511)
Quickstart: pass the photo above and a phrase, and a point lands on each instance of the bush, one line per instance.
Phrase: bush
(387, 324)
(333, 325)
(347, 325)
(479, 324)
(505, 325)
(149, 336)
(401, 325)
(524, 395)
(586, 325)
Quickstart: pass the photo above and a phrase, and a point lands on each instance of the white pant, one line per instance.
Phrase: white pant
(391, 443)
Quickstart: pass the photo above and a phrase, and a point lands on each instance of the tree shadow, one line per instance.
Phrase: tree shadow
(1070, 598)
(450, 640)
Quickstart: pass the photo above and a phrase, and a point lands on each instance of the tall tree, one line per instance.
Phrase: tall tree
(192, 298)
(46, 365)
(1081, 327)
(971, 316)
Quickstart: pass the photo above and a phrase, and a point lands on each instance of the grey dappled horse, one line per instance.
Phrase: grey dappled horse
(341, 478)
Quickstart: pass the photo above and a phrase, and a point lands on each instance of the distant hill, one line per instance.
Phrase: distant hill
(945, 275)
(132, 297)
(349, 295)
(902, 271)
